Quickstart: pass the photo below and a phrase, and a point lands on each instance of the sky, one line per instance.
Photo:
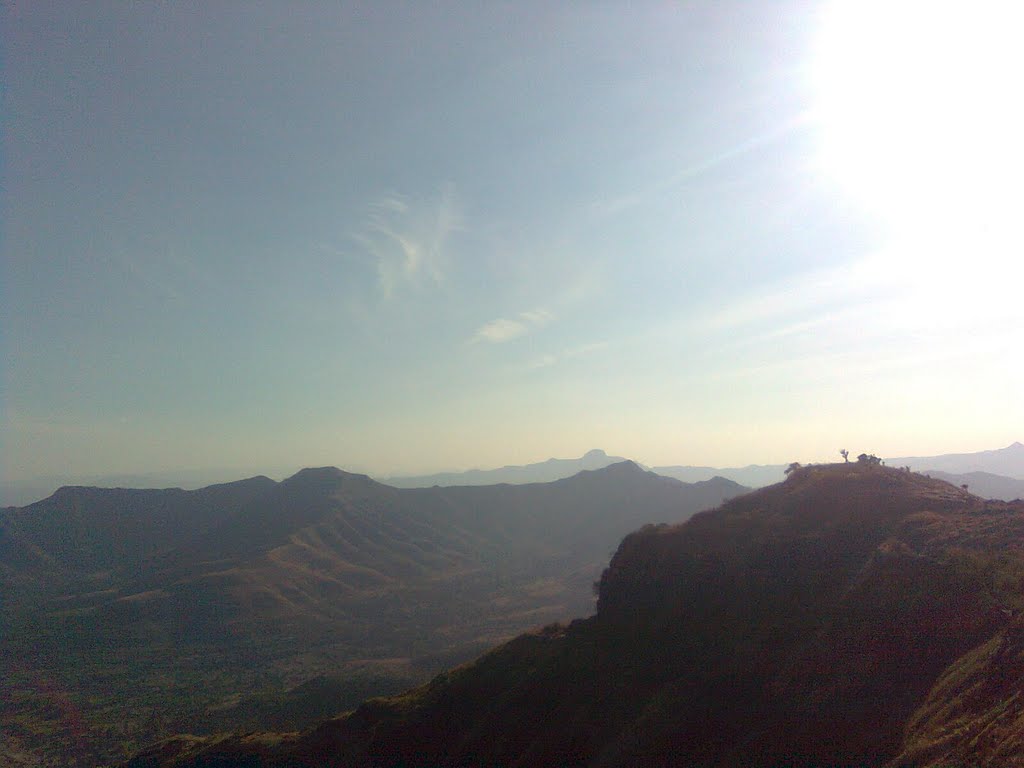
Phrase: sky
(409, 237)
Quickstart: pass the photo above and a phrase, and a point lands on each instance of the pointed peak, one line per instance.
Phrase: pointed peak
(595, 453)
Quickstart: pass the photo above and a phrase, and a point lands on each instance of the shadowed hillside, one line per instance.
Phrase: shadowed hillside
(141, 613)
(852, 615)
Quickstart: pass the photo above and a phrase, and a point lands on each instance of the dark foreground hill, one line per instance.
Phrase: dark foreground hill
(130, 614)
(850, 616)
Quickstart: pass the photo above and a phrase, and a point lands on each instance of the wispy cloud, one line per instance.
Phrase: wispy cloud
(807, 297)
(694, 169)
(505, 329)
(546, 361)
(586, 349)
(406, 240)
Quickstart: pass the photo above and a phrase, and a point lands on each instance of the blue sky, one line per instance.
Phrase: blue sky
(410, 237)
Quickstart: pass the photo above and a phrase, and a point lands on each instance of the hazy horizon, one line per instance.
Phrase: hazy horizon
(409, 239)
(34, 489)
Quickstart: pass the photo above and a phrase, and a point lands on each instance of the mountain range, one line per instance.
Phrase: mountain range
(1007, 462)
(852, 615)
(228, 603)
(984, 484)
(129, 615)
(540, 472)
(989, 473)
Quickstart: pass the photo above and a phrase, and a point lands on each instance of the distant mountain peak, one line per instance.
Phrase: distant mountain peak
(325, 478)
(623, 467)
(620, 470)
(595, 453)
(323, 474)
(318, 473)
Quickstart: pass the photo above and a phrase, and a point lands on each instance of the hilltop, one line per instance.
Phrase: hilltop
(851, 615)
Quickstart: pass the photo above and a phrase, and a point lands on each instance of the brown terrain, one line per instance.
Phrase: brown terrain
(852, 615)
(128, 615)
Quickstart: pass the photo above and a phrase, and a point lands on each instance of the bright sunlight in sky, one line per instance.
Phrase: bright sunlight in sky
(920, 110)
(920, 122)
(401, 238)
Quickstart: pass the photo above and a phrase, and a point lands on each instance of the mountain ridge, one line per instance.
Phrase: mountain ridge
(1007, 462)
(750, 475)
(539, 472)
(815, 622)
(326, 572)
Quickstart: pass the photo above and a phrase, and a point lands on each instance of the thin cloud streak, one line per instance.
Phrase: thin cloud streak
(626, 202)
(548, 360)
(503, 329)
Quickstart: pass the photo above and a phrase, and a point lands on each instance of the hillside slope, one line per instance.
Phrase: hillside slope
(144, 615)
(103, 535)
(849, 616)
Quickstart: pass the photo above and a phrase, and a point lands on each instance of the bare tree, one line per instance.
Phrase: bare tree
(845, 454)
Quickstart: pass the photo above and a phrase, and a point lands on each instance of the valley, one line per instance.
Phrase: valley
(130, 615)
(852, 615)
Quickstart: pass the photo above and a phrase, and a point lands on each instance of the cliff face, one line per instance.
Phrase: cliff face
(824, 620)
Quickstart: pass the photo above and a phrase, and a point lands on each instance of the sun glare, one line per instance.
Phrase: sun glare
(920, 104)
